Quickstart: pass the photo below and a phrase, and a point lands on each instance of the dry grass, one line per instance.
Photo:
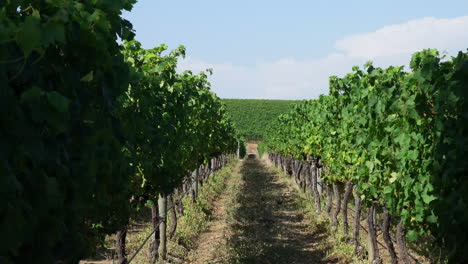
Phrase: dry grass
(267, 223)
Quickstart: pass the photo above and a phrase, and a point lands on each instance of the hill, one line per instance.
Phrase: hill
(252, 116)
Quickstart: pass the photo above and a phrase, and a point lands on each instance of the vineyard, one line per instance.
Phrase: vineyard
(252, 116)
(111, 155)
(397, 140)
(92, 131)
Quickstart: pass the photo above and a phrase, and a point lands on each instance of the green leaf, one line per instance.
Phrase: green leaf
(59, 102)
(29, 35)
(31, 94)
(370, 165)
(88, 77)
(412, 154)
(412, 235)
(403, 139)
(54, 32)
(427, 198)
(149, 203)
(393, 177)
(387, 190)
(432, 219)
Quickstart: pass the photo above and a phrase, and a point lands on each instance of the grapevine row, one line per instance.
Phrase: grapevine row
(91, 130)
(398, 138)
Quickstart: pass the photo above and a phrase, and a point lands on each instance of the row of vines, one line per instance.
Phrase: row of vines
(398, 140)
(90, 129)
(166, 212)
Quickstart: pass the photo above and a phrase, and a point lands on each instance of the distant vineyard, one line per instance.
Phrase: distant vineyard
(252, 116)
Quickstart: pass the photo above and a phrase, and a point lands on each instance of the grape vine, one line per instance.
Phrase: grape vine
(399, 137)
(88, 124)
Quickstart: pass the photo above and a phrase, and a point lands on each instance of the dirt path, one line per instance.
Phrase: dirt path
(259, 222)
(269, 226)
(252, 150)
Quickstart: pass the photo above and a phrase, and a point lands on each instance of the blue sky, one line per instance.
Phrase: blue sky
(287, 49)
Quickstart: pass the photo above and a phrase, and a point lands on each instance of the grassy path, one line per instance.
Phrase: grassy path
(212, 243)
(258, 220)
(269, 226)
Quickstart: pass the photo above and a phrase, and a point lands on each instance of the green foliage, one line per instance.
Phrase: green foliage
(62, 168)
(251, 116)
(401, 137)
(86, 123)
(243, 149)
(174, 123)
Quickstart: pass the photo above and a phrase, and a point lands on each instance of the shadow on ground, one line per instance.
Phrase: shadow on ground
(268, 225)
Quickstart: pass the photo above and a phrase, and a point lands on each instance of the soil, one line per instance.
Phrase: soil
(258, 221)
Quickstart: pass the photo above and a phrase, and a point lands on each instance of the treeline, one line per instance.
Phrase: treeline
(252, 116)
(92, 130)
(398, 140)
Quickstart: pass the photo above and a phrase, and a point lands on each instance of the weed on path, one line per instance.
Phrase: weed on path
(267, 224)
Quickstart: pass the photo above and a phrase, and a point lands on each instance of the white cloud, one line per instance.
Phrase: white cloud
(444, 34)
(299, 79)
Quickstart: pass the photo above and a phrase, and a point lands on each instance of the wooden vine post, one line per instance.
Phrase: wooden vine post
(120, 245)
(374, 256)
(336, 211)
(346, 196)
(195, 184)
(162, 204)
(314, 176)
(386, 235)
(358, 249)
(401, 242)
(172, 215)
(154, 244)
